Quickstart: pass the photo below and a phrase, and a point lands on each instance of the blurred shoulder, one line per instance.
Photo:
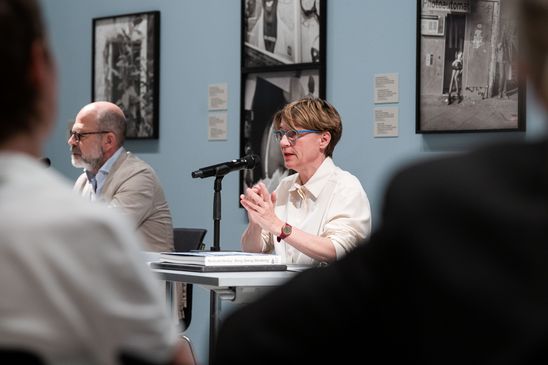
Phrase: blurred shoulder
(39, 202)
(493, 165)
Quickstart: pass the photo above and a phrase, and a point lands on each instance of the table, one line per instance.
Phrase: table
(235, 286)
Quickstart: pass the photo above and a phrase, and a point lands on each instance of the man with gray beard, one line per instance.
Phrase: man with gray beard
(116, 176)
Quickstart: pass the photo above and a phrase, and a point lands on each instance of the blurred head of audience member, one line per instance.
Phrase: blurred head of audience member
(28, 94)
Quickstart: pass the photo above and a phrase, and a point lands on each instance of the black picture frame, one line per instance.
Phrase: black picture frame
(284, 34)
(268, 81)
(126, 68)
(266, 93)
(492, 93)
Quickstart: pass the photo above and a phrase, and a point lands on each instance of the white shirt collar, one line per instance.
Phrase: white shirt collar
(104, 170)
(317, 181)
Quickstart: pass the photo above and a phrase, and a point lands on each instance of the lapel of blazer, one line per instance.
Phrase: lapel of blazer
(107, 193)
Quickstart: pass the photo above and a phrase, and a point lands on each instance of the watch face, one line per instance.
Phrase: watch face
(286, 229)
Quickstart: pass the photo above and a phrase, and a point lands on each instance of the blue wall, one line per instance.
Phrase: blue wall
(200, 45)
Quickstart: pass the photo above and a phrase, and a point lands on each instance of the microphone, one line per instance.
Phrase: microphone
(221, 169)
(46, 161)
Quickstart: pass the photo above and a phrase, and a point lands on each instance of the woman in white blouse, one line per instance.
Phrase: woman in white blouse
(319, 213)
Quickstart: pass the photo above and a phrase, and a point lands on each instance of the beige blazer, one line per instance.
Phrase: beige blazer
(133, 186)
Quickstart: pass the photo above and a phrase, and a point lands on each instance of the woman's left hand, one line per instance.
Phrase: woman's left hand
(259, 204)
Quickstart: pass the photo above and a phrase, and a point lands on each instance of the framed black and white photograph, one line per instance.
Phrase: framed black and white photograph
(467, 74)
(282, 32)
(283, 59)
(265, 94)
(125, 69)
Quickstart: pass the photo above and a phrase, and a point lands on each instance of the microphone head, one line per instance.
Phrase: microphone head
(251, 161)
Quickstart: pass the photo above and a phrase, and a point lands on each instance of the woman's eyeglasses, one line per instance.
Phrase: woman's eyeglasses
(292, 134)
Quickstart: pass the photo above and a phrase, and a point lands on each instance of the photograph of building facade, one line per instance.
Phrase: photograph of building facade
(467, 76)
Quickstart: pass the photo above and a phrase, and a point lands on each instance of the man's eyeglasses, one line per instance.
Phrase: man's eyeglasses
(292, 134)
(78, 136)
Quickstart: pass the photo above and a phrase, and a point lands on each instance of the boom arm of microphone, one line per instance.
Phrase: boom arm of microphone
(221, 169)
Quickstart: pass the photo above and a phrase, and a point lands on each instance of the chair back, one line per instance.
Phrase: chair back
(187, 239)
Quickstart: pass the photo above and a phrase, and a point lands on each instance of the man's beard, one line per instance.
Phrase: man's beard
(90, 163)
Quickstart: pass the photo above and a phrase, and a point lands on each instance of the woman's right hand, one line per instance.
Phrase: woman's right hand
(247, 201)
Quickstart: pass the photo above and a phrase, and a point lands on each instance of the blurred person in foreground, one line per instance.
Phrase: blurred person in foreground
(456, 274)
(321, 212)
(75, 289)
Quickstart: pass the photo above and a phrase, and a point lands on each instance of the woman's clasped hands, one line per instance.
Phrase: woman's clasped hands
(259, 204)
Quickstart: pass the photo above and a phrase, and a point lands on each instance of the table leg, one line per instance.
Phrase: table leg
(170, 287)
(214, 310)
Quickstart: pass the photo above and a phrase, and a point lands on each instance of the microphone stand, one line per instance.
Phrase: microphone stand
(214, 301)
(220, 172)
(217, 212)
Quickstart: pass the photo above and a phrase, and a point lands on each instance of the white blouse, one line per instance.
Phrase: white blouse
(331, 204)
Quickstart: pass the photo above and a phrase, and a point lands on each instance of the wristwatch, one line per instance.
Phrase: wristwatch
(286, 231)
